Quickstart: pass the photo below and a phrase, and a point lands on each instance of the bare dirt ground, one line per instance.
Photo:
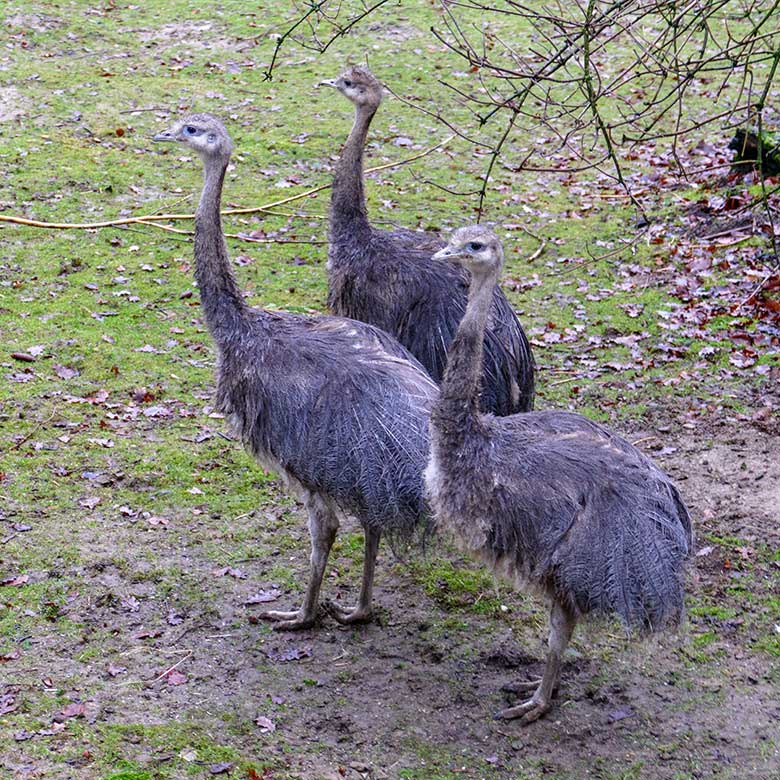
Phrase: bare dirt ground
(413, 693)
(130, 643)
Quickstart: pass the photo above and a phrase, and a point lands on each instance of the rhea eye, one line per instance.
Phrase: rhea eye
(347, 83)
(475, 246)
(190, 130)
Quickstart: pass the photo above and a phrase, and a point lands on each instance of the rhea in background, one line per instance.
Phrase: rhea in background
(387, 278)
(337, 407)
(553, 501)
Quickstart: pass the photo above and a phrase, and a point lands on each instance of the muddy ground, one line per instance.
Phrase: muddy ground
(413, 693)
(138, 546)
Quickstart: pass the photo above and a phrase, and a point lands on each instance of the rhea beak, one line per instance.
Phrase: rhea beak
(329, 83)
(166, 135)
(444, 254)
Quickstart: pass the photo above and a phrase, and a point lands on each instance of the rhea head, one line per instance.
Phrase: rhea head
(203, 133)
(358, 85)
(476, 248)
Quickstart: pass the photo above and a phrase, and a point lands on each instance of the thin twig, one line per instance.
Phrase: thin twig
(539, 249)
(314, 7)
(171, 668)
(33, 431)
(759, 287)
(151, 219)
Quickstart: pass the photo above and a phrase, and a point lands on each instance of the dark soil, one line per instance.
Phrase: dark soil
(413, 693)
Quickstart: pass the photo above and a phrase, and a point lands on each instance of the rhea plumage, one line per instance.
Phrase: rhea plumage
(337, 407)
(387, 278)
(550, 499)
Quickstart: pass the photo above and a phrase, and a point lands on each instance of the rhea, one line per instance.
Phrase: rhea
(387, 278)
(337, 407)
(554, 501)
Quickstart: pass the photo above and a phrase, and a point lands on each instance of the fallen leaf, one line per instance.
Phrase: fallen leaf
(19, 579)
(156, 411)
(227, 571)
(175, 677)
(264, 596)
(131, 604)
(289, 653)
(742, 360)
(24, 357)
(147, 635)
(55, 728)
(7, 702)
(620, 714)
(266, 724)
(63, 372)
(12, 656)
(174, 618)
(107, 443)
(221, 769)
(75, 710)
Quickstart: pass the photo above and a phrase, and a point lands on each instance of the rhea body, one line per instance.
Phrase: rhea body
(337, 407)
(557, 503)
(387, 277)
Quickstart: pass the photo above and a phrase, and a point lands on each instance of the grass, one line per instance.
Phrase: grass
(110, 450)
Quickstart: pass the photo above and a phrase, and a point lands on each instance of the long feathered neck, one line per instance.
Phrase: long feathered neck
(457, 410)
(348, 199)
(221, 299)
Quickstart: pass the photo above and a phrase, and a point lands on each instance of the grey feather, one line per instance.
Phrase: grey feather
(337, 406)
(551, 499)
(387, 278)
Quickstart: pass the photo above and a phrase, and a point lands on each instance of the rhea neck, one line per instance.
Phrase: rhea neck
(456, 414)
(348, 201)
(221, 299)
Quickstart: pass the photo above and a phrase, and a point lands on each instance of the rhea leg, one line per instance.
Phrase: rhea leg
(362, 612)
(562, 624)
(323, 525)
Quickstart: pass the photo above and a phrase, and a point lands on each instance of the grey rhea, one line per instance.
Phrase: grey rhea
(387, 277)
(337, 407)
(555, 502)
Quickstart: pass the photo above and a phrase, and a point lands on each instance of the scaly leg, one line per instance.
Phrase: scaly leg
(323, 525)
(562, 624)
(362, 612)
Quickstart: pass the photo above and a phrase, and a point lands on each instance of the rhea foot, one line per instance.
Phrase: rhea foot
(523, 686)
(528, 711)
(289, 621)
(526, 686)
(360, 614)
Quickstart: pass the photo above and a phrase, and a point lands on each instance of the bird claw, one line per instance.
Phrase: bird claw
(289, 621)
(347, 617)
(528, 711)
(522, 686)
